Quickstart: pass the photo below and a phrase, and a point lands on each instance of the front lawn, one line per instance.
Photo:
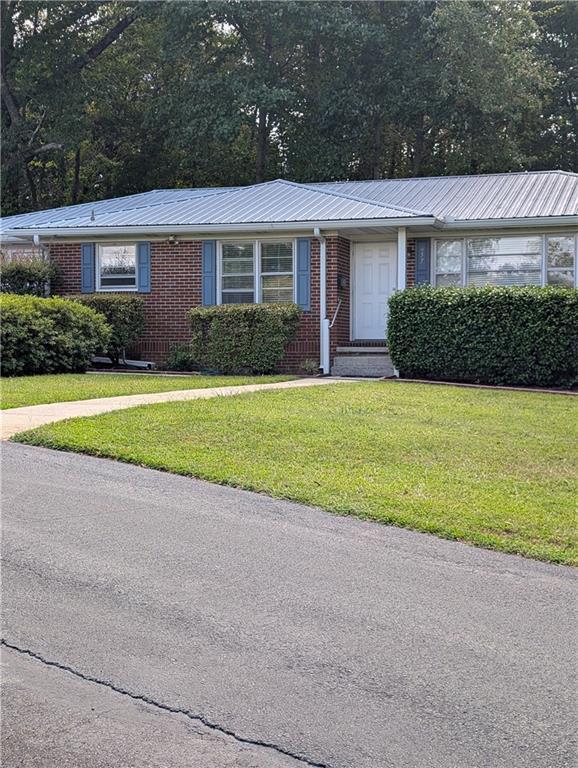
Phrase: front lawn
(59, 388)
(493, 468)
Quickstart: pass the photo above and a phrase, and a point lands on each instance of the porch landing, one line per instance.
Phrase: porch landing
(362, 359)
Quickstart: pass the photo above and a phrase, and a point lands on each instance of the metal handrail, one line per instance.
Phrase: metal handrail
(332, 323)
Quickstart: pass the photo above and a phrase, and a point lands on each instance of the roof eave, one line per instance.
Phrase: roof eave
(533, 221)
(187, 229)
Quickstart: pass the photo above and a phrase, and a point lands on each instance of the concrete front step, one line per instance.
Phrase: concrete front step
(362, 350)
(359, 365)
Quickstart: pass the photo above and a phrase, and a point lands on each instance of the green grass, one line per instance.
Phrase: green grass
(59, 388)
(493, 468)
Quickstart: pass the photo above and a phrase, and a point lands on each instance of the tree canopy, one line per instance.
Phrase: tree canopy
(101, 99)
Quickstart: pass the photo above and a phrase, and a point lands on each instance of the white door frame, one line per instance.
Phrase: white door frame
(352, 272)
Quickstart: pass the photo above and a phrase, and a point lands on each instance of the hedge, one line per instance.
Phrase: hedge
(48, 335)
(516, 336)
(241, 338)
(27, 276)
(125, 313)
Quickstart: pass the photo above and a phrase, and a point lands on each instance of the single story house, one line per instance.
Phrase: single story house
(338, 249)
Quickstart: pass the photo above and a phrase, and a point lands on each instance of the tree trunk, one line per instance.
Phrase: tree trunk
(75, 178)
(392, 162)
(31, 186)
(262, 136)
(376, 148)
(418, 149)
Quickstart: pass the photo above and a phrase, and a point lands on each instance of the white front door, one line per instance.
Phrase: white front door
(374, 280)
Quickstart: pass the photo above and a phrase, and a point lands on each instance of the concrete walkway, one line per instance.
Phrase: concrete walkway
(16, 420)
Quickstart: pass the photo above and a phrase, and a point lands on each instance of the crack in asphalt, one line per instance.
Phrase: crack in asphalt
(165, 707)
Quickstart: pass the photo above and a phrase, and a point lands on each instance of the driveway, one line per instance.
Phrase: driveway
(145, 611)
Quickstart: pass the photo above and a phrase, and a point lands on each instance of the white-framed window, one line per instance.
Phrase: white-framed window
(116, 267)
(515, 260)
(533, 259)
(255, 271)
(238, 273)
(277, 272)
(449, 259)
(561, 260)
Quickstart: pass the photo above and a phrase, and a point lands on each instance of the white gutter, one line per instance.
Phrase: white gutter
(535, 221)
(182, 229)
(324, 331)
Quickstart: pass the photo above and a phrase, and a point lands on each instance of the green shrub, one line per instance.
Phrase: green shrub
(48, 335)
(27, 276)
(125, 313)
(242, 338)
(181, 359)
(517, 336)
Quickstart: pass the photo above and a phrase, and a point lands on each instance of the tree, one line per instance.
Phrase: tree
(101, 99)
(45, 50)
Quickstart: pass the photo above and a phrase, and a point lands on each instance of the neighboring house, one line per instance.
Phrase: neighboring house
(339, 249)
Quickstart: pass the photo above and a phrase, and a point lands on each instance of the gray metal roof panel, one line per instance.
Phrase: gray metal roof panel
(275, 201)
(458, 198)
(142, 199)
(492, 196)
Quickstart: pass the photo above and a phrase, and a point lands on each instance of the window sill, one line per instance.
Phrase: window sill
(116, 290)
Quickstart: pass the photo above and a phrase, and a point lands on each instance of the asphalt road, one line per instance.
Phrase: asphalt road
(176, 623)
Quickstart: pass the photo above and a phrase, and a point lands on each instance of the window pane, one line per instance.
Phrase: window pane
(504, 261)
(238, 281)
(561, 277)
(276, 272)
(110, 281)
(117, 265)
(245, 297)
(519, 277)
(274, 296)
(449, 247)
(278, 281)
(276, 257)
(561, 251)
(277, 288)
(237, 250)
(118, 259)
(448, 280)
(448, 259)
(237, 265)
(480, 246)
(237, 278)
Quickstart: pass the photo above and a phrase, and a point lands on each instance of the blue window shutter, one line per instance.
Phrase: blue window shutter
(143, 262)
(209, 272)
(423, 261)
(87, 268)
(304, 273)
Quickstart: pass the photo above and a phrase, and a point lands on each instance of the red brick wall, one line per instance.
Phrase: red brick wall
(176, 287)
(306, 345)
(67, 258)
(338, 264)
(410, 265)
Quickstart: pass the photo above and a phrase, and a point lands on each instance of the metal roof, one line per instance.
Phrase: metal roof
(463, 198)
(104, 206)
(491, 197)
(272, 202)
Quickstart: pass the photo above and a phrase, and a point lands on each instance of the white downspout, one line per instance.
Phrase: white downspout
(324, 361)
(401, 258)
(401, 265)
